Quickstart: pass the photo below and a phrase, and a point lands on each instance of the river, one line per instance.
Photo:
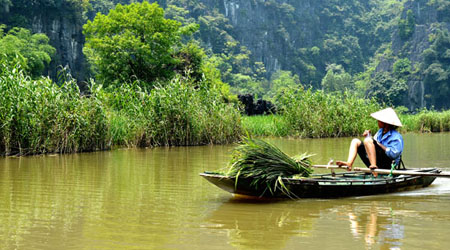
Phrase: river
(154, 199)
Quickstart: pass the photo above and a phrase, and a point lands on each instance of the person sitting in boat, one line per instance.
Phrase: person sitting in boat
(384, 149)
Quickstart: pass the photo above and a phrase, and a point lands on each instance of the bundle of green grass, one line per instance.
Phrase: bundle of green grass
(267, 165)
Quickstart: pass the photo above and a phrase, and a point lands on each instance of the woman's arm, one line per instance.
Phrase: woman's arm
(394, 148)
(382, 146)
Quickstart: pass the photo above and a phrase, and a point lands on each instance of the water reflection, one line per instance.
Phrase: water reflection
(262, 225)
(371, 224)
(378, 223)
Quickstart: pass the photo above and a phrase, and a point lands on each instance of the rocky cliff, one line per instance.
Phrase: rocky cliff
(427, 21)
(273, 30)
(63, 26)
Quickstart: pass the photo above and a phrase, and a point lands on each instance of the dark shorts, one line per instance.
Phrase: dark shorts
(383, 161)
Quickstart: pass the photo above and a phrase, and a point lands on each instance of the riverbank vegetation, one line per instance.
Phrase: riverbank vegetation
(40, 116)
(308, 113)
(182, 102)
(174, 115)
(155, 85)
(311, 113)
(426, 121)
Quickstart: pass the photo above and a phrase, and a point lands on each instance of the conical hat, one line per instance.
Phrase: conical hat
(387, 116)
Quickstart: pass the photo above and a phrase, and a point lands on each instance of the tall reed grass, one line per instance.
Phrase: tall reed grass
(38, 116)
(174, 113)
(426, 121)
(266, 125)
(316, 114)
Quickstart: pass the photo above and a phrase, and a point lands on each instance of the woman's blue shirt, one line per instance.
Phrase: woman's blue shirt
(393, 141)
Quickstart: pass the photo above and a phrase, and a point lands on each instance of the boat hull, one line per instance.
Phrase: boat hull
(325, 186)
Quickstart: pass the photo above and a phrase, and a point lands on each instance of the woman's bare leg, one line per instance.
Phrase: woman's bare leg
(352, 152)
(370, 150)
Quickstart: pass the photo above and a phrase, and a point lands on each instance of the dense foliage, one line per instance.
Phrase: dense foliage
(426, 121)
(134, 42)
(33, 49)
(337, 80)
(175, 113)
(345, 33)
(309, 113)
(386, 88)
(250, 41)
(38, 116)
(164, 76)
(436, 68)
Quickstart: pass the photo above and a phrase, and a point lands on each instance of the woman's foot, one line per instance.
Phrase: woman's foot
(373, 167)
(344, 163)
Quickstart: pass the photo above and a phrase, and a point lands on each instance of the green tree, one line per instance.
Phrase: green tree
(281, 80)
(406, 26)
(443, 10)
(436, 70)
(344, 51)
(33, 48)
(134, 42)
(387, 89)
(402, 68)
(336, 79)
(437, 79)
(189, 61)
(307, 62)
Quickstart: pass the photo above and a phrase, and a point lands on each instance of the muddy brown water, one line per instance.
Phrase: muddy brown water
(155, 199)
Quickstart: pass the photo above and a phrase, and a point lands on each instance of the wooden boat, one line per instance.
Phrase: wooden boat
(333, 185)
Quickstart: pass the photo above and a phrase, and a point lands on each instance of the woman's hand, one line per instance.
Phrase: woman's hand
(366, 133)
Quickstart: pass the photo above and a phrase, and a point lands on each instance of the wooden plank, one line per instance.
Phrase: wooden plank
(386, 171)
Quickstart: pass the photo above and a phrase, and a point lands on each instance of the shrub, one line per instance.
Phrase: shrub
(311, 113)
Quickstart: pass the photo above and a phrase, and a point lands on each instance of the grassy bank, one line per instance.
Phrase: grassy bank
(276, 125)
(426, 121)
(38, 116)
(266, 125)
(171, 115)
(308, 113)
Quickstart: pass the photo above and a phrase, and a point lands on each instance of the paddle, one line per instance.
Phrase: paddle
(386, 171)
